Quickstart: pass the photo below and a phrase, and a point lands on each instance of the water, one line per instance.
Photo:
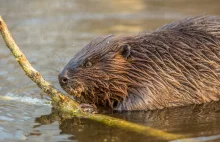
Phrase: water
(50, 32)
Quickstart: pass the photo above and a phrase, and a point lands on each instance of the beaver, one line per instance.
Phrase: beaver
(176, 65)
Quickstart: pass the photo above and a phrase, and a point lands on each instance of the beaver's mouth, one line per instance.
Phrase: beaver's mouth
(78, 93)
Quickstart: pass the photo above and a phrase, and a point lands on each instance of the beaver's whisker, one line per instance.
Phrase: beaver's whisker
(61, 61)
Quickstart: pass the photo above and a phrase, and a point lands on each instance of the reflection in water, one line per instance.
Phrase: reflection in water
(87, 130)
(52, 31)
(191, 121)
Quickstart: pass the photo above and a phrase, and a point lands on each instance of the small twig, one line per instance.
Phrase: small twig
(59, 100)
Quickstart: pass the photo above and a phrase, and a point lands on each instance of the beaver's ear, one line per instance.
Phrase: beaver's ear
(125, 50)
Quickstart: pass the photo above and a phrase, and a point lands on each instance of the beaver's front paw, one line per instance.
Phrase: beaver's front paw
(91, 108)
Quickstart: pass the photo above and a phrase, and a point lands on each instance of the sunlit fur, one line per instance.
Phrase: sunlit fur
(177, 65)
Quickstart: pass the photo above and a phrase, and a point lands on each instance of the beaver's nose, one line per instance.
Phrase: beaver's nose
(63, 78)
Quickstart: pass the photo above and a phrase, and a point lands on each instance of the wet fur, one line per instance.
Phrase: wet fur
(177, 65)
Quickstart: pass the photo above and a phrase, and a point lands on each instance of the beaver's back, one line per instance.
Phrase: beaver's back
(183, 62)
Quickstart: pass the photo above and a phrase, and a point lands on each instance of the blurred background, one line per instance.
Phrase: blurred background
(50, 32)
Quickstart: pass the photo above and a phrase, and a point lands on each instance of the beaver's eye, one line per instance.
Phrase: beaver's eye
(88, 64)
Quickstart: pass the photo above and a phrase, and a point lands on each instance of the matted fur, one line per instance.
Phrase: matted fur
(177, 65)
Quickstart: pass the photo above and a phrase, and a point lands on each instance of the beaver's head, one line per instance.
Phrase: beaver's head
(101, 72)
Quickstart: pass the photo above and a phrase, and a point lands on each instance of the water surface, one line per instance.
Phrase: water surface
(50, 32)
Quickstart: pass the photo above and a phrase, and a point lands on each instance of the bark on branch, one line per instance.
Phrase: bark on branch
(65, 104)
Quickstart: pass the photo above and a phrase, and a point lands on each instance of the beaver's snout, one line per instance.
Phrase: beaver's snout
(63, 78)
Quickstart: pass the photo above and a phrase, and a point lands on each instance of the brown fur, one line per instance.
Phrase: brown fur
(177, 65)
